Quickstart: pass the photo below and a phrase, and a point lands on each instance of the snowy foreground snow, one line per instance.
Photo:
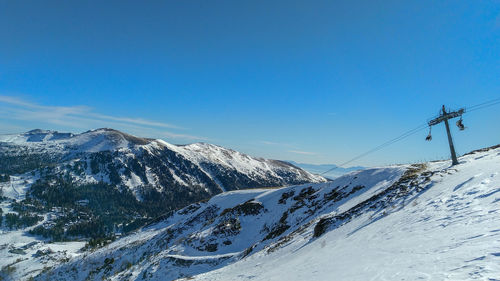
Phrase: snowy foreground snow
(426, 221)
(449, 231)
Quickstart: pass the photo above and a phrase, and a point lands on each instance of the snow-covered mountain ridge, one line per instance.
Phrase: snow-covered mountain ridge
(211, 162)
(104, 182)
(423, 221)
(110, 156)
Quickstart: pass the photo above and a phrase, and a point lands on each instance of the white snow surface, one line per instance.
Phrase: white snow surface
(27, 255)
(17, 187)
(91, 141)
(450, 232)
(393, 223)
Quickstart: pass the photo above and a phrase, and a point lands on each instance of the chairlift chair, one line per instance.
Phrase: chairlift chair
(460, 125)
(429, 136)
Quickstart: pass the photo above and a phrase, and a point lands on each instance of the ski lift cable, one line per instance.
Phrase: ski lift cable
(411, 132)
(485, 104)
(377, 148)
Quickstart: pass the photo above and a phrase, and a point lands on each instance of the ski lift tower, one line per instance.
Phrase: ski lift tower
(443, 117)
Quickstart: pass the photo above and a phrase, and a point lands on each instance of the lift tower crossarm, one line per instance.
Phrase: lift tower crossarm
(444, 118)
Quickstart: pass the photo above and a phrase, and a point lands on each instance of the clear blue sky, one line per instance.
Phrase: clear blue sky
(311, 81)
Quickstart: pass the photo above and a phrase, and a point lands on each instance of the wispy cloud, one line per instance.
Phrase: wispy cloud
(276, 143)
(182, 136)
(271, 143)
(290, 147)
(83, 117)
(302, 152)
(137, 121)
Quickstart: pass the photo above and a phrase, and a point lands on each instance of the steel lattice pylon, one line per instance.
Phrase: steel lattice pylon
(443, 117)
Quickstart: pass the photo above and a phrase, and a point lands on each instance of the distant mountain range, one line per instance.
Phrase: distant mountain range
(104, 181)
(318, 169)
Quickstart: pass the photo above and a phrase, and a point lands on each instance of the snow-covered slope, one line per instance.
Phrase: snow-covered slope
(104, 183)
(423, 221)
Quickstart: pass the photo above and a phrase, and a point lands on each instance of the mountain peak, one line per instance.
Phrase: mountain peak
(113, 133)
(39, 131)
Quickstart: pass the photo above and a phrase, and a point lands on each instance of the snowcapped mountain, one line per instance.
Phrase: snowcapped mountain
(110, 156)
(140, 161)
(105, 182)
(422, 221)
